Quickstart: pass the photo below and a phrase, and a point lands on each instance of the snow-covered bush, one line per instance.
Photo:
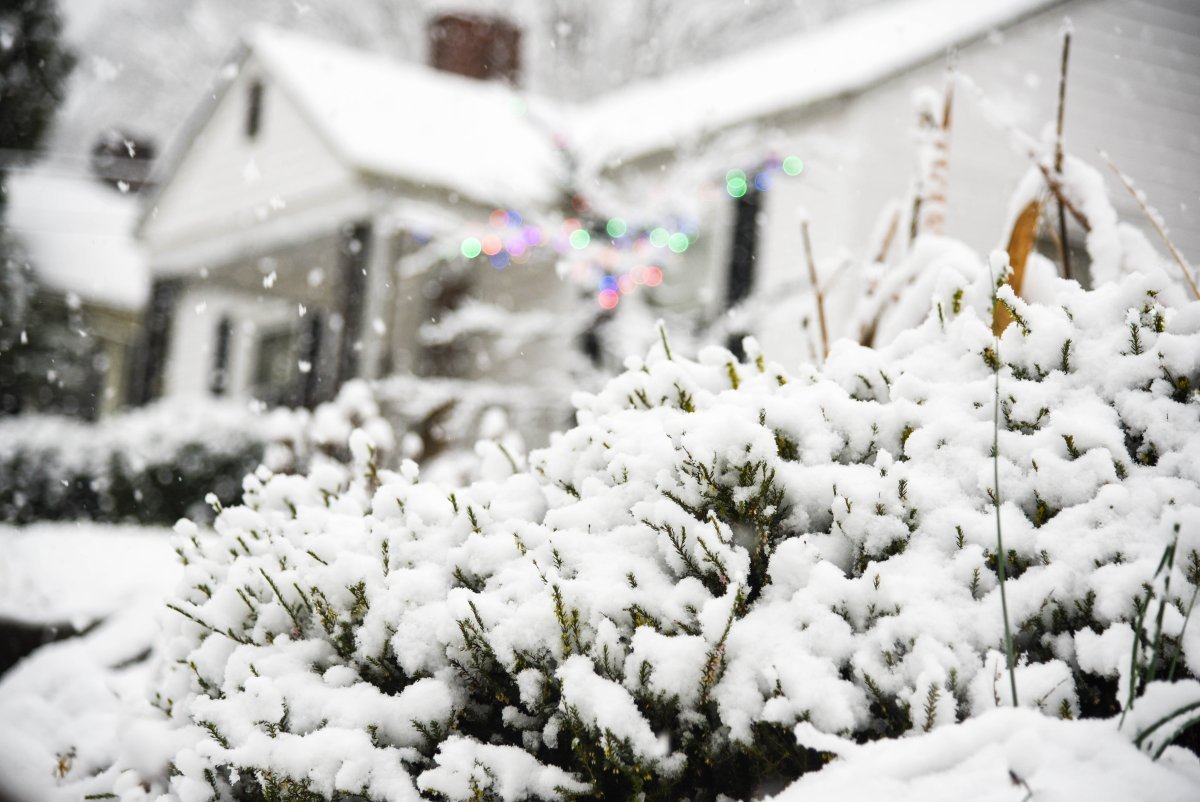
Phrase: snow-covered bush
(718, 575)
(157, 464)
(152, 465)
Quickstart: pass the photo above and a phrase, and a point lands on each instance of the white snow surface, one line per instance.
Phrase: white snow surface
(483, 139)
(79, 235)
(70, 700)
(1054, 760)
(81, 573)
(844, 56)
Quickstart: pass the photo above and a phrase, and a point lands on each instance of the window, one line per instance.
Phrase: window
(276, 367)
(254, 101)
(310, 358)
(744, 253)
(218, 382)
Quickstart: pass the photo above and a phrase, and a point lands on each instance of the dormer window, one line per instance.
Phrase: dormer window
(254, 99)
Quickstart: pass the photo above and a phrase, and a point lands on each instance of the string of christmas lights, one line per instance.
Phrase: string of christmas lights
(610, 255)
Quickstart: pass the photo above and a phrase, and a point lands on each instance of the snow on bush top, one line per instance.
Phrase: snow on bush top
(720, 566)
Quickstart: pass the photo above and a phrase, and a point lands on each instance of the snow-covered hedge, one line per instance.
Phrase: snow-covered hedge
(151, 465)
(720, 574)
(155, 465)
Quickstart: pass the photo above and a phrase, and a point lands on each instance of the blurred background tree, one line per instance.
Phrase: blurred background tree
(34, 67)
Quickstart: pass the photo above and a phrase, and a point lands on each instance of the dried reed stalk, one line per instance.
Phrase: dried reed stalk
(886, 246)
(929, 214)
(816, 286)
(1064, 252)
(1156, 222)
(1056, 188)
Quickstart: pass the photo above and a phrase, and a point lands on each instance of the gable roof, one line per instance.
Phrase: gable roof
(844, 57)
(492, 143)
(386, 118)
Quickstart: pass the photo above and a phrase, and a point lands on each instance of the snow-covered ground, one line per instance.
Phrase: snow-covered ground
(1005, 755)
(60, 707)
(81, 573)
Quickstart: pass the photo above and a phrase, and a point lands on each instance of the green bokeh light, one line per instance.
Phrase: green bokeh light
(678, 242)
(736, 175)
(580, 239)
(471, 247)
(793, 165)
(736, 187)
(616, 227)
(659, 237)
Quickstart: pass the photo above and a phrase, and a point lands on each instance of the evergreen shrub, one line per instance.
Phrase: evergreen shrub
(722, 572)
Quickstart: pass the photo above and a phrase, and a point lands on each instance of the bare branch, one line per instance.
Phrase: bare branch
(816, 286)
(1056, 187)
(1063, 251)
(1156, 222)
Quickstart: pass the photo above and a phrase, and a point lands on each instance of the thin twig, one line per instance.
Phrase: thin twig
(1032, 149)
(816, 285)
(1056, 187)
(1001, 555)
(890, 235)
(1152, 216)
(1063, 250)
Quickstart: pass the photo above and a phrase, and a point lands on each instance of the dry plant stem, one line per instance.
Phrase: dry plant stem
(1034, 152)
(1056, 187)
(1153, 218)
(929, 211)
(886, 245)
(816, 285)
(1063, 250)
(1001, 555)
(1001, 559)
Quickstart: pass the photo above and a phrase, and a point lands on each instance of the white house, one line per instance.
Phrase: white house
(840, 99)
(292, 233)
(89, 273)
(295, 233)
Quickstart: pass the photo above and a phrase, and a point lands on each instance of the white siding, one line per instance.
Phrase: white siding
(229, 183)
(193, 338)
(1134, 91)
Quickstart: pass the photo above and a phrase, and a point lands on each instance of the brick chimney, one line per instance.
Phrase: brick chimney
(485, 48)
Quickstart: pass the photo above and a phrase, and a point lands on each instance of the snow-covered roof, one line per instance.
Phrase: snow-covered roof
(846, 56)
(412, 122)
(492, 143)
(79, 235)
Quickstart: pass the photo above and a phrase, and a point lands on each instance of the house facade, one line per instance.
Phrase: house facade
(843, 101)
(321, 210)
(299, 236)
(89, 284)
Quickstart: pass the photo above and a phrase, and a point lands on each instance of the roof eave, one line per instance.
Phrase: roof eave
(164, 171)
